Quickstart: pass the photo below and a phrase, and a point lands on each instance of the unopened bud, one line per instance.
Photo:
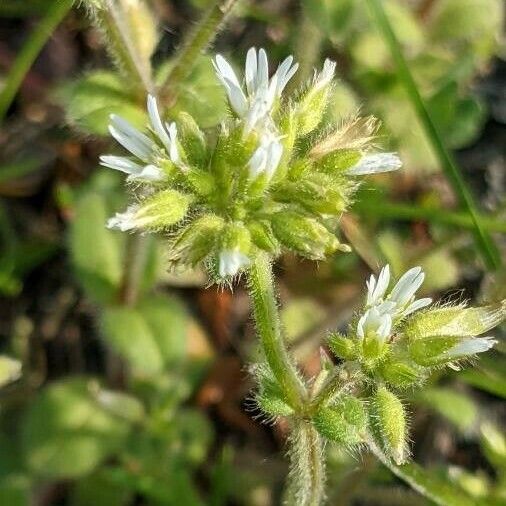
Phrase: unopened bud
(342, 347)
(263, 236)
(305, 235)
(400, 373)
(390, 421)
(455, 321)
(192, 140)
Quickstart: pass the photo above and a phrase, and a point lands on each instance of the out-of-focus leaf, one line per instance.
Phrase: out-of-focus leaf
(95, 250)
(299, 316)
(330, 16)
(151, 336)
(201, 94)
(194, 433)
(167, 319)
(488, 375)
(10, 370)
(458, 408)
(428, 484)
(15, 491)
(99, 489)
(90, 100)
(66, 433)
(441, 270)
(493, 442)
(127, 331)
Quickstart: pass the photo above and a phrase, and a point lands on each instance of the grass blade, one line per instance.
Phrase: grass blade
(30, 50)
(484, 242)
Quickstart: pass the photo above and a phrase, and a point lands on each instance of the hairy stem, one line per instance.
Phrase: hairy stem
(197, 40)
(269, 329)
(121, 46)
(306, 480)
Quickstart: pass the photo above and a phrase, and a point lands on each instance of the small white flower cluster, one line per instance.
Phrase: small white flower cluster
(383, 309)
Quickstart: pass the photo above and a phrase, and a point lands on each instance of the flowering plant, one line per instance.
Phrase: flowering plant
(274, 177)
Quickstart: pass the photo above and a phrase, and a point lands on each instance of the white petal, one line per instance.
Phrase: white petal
(274, 157)
(231, 262)
(123, 221)
(407, 285)
(262, 70)
(225, 71)
(416, 305)
(173, 149)
(236, 98)
(130, 138)
(326, 75)
(156, 122)
(120, 163)
(257, 162)
(251, 70)
(376, 163)
(379, 288)
(149, 173)
(285, 72)
(471, 346)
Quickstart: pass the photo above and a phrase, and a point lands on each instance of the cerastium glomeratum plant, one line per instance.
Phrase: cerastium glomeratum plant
(275, 177)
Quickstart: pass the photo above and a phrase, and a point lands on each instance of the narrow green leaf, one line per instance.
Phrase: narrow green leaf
(56, 11)
(484, 242)
(441, 492)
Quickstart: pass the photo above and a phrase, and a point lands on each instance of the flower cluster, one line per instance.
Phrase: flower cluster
(272, 177)
(398, 339)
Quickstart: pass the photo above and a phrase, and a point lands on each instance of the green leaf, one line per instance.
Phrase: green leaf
(15, 491)
(67, 430)
(440, 491)
(150, 337)
(330, 16)
(488, 375)
(195, 434)
(127, 331)
(99, 489)
(94, 249)
(457, 408)
(90, 100)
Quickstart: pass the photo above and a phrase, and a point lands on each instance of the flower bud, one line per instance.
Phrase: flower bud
(263, 236)
(311, 107)
(389, 420)
(343, 422)
(401, 373)
(305, 235)
(192, 140)
(197, 240)
(339, 161)
(455, 321)
(157, 212)
(374, 329)
(234, 249)
(342, 347)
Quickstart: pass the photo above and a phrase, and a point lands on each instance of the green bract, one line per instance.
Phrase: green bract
(270, 178)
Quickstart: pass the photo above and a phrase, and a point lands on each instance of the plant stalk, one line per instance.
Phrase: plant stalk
(196, 42)
(56, 11)
(261, 288)
(306, 479)
(484, 242)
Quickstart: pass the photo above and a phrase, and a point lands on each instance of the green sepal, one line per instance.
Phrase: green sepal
(455, 321)
(305, 235)
(201, 181)
(192, 139)
(162, 210)
(196, 241)
(263, 237)
(342, 347)
(390, 423)
(401, 373)
(338, 161)
(236, 237)
(431, 351)
(270, 398)
(310, 108)
(343, 422)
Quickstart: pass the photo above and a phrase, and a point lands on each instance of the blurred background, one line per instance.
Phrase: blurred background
(118, 397)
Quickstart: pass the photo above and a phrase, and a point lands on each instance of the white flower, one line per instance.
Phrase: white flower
(376, 163)
(231, 261)
(266, 157)
(400, 301)
(146, 152)
(124, 221)
(471, 346)
(254, 106)
(376, 325)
